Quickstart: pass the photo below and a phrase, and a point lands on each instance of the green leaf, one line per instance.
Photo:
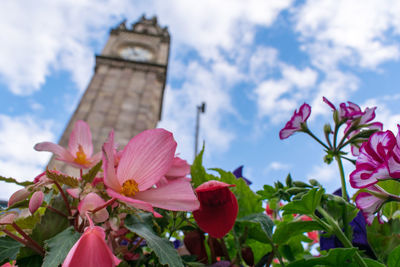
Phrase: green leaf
(335, 257)
(262, 222)
(285, 231)
(58, 247)
(31, 261)
(267, 192)
(141, 225)
(63, 179)
(307, 204)
(9, 249)
(91, 174)
(14, 181)
(394, 258)
(383, 238)
(197, 171)
(374, 263)
(249, 202)
(51, 223)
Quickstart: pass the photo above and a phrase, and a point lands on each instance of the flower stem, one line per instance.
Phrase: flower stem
(109, 202)
(57, 211)
(64, 197)
(315, 138)
(39, 249)
(342, 178)
(22, 241)
(341, 236)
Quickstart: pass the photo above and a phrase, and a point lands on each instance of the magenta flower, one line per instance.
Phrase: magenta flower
(394, 158)
(80, 148)
(371, 202)
(143, 163)
(295, 123)
(218, 208)
(91, 250)
(371, 165)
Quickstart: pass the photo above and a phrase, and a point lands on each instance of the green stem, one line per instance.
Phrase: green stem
(315, 138)
(342, 178)
(237, 243)
(341, 236)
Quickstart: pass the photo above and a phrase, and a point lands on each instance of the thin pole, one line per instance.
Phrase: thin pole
(200, 109)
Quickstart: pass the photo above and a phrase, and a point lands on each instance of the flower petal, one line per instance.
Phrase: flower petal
(110, 177)
(59, 151)
(179, 168)
(147, 158)
(18, 196)
(91, 202)
(139, 204)
(176, 195)
(81, 135)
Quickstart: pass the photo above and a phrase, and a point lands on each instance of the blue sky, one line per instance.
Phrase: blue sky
(253, 62)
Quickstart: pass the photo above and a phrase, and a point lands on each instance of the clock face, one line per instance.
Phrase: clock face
(136, 53)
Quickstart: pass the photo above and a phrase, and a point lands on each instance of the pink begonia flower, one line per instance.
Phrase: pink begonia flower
(144, 161)
(371, 165)
(36, 201)
(80, 148)
(369, 204)
(91, 202)
(218, 208)
(91, 250)
(294, 124)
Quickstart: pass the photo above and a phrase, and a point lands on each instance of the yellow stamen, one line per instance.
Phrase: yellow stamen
(130, 188)
(81, 157)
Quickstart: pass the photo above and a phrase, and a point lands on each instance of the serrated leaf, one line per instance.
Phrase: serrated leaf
(9, 249)
(284, 231)
(197, 171)
(261, 221)
(91, 174)
(394, 258)
(335, 257)
(267, 192)
(249, 202)
(14, 181)
(58, 247)
(63, 179)
(307, 204)
(141, 225)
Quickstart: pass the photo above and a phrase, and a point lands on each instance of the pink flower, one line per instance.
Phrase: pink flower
(218, 208)
(143, 163)
(371, 164)
(36, 201)
(371, 203)
(313, 235)
(295, 123)
(80, 148)
(394, 158)
(179, 169)
(91, 202)
(91, 250)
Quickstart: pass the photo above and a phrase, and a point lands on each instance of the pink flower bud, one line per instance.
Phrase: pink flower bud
(36, 201)
(18, 196)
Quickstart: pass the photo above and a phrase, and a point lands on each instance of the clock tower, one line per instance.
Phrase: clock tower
(126, 90)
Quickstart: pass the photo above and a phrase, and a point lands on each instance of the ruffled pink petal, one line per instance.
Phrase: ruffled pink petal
(285, 133)
(36, 201)
(91, 250)
(370, 204)
(176, 195)
(74, 192)
(179, 168)
(91, 202)
(305, 111)
(18, 196)
(363, 176)
(81, 135)
(95, 159)
(110, 177)
(369, 115)
(59, 151)
(147, 158)
(139, 204)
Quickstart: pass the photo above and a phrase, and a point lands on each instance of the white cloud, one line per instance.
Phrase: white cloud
(349, 31)
(278, 166)
(18, 159)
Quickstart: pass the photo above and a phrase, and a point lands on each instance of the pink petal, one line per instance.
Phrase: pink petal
(8, 218)
(81, 135)
(36, 201)
(147, 158)
(74, 192)
(179, 168)
(305, 111)
(59, 151)
(285, 133)
(18, 196)
(91, 250)
(139, 204)
(176, 195)
(369, 115)
(110, 177)
(91, 202)
(329, 103)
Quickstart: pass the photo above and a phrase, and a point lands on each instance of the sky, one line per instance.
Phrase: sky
(253, 63)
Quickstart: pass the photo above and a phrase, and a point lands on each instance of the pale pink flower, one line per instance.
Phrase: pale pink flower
(36, 201)
(91, 202)
(80, 148)
(371, 164)
(371, 202)
(91, 250)
(295, 123)
(143, 163)
(179, 169)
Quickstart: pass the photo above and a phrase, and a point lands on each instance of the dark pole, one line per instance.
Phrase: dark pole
(200, 109)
